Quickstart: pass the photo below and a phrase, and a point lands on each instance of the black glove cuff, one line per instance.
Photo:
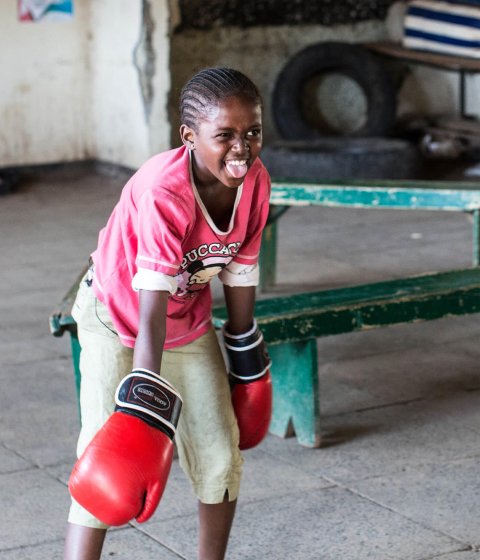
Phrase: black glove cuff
(146, 395)
(247, 355)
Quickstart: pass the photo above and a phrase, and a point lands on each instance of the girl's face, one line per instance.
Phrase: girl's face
(227, 142)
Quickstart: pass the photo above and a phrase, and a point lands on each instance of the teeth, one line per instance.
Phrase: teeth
(237, 162)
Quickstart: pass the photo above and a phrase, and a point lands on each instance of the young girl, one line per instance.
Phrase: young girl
(187, 215)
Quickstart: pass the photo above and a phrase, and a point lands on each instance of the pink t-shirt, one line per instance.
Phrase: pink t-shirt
(160, 224)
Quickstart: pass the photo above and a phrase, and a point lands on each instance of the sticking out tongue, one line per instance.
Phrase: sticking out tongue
(235, 169)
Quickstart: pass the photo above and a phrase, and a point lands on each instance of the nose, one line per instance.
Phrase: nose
(240, 144)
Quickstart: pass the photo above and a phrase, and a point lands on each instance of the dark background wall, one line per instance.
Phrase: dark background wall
(259, 36)
(205, 14)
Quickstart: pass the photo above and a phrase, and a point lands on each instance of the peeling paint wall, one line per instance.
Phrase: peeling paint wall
(93, 87)
(106, 84)
(119, 127)
(44, 86)
(144, 58)
(206, 14)
(260, 52)
(129, 79)
(211, 33)
(259, 37)
(159, 125)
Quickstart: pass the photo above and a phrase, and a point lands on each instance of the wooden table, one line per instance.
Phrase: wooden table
(460, 64)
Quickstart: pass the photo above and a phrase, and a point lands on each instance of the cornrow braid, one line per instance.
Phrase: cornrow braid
(207, 88)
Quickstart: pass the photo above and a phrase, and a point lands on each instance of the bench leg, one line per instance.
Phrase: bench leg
(268, 252)
(476, 238)
(268, 257)
(295, 391)
(75, 345)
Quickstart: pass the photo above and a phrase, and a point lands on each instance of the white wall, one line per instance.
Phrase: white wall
(43, 77)
(95, 87)
(70, 90)
(122, 128)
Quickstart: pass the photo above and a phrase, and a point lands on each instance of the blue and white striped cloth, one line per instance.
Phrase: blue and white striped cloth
(443, 27)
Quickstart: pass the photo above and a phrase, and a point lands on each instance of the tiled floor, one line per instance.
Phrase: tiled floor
(397, 476)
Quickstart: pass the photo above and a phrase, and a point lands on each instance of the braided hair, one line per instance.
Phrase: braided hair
(208, 88)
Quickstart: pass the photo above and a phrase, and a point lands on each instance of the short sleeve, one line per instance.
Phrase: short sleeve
(146, 279)
(235, 274)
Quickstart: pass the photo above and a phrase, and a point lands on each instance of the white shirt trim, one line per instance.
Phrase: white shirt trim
(146, 279)
(236, 274)
(207, 216)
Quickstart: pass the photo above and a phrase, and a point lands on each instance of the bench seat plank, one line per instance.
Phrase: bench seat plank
(291, 325)
(408, 195)
(342, 310)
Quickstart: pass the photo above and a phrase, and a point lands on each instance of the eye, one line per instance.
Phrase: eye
(223, 135)
(254, 133)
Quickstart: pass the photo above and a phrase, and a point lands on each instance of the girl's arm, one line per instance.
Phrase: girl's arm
(151, 330)
(240, 302)
(248, 366)
(123, 471)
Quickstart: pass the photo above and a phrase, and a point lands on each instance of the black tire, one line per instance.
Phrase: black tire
(321, 59)
(343, 158)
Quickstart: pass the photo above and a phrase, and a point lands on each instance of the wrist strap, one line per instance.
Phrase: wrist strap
(146, 395)
(243, 335)
(247, 355)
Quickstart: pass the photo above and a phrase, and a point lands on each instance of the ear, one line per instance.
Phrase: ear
(187, 135)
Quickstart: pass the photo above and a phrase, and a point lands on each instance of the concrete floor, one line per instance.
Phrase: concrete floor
(397, 476)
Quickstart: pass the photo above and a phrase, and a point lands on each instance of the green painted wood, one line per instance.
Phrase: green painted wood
(476, 238)
(296, 399)
(268, 251)
(76, 349)
(291, 324)
(275, 212)
(60, 319)
(394, 194)
(268, 257)
(328, 312)
(424, 195)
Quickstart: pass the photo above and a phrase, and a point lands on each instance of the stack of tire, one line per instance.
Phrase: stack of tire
(310, 150)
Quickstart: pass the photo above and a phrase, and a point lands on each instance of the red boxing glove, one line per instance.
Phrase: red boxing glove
(249, 365)
(122, 473)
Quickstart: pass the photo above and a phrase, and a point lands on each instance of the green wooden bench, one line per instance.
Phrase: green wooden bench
(451, 196)
(291, 324)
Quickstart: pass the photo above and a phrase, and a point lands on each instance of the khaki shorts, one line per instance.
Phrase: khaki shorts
(207, 434)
